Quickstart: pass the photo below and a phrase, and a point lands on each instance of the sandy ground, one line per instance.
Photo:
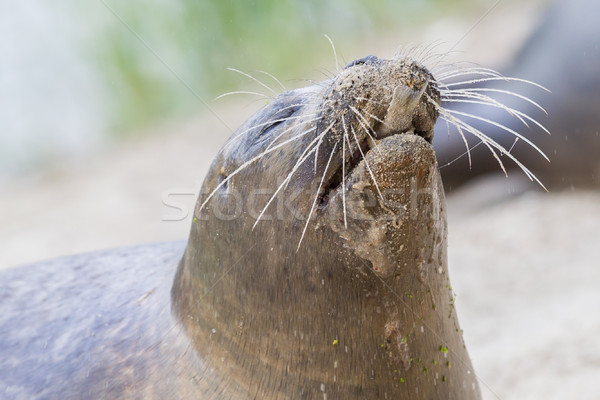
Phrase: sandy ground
(525, 269)
(524, 266)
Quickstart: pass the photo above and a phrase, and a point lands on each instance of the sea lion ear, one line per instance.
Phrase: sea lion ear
(365, 60)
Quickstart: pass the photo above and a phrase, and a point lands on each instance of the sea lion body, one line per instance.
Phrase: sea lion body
(95, 326)
(341, 290)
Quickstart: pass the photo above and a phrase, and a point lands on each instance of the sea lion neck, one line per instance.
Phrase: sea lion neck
(357, 311)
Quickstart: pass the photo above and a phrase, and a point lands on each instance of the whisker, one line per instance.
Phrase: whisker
(469, 71)
(462, 155)
(275, 79)
(255, 80)
(450, 118)
(320, 141)
(344, 168)
(376, 118)
(451, 68)
(303, 157)
(470, 91)
(502, 78)
(516, 113)
(503, 127)
(484, 139)
(433, 58)
(492, 103)
(431, 52)
(316, 196)
(428, 51)
(366, 162)
(513, 145)
(361, 117)
(487, 141)
(242, 92)
(337, 63)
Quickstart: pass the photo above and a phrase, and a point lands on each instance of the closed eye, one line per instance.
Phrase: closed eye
(280, 117)
(364, 60)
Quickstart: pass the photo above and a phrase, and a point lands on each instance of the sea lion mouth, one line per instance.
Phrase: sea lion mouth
(359, 155)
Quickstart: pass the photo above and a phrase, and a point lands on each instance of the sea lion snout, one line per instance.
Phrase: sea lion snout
(413, 102)
(371, 99)
(386, 97)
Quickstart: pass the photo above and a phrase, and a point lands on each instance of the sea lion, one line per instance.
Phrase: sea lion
(316, 267)
(563, 55)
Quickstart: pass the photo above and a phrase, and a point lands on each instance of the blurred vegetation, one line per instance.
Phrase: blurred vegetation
(199, 39)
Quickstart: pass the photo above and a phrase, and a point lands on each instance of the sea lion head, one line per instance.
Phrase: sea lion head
(292, 138)
(317, 258)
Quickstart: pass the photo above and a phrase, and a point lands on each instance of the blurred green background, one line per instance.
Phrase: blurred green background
(199, 39)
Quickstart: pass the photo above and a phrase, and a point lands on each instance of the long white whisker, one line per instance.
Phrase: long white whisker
(254, 79)
(344, 168)
(495, 104)
(376, 118)
(503, 78)
(322, 135)
(360, 121)
(337, 63)
(242, 92)
(513, 145)
(467, 91)
(433, 58)
(305, 155)
(469, 71)
(503, 127)
(487, 141)
(516, 113)
(431, 54)
(366, 162)
(492, 103)
(275, 79)
(451, 119)
(462, 155)
(316, 196)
